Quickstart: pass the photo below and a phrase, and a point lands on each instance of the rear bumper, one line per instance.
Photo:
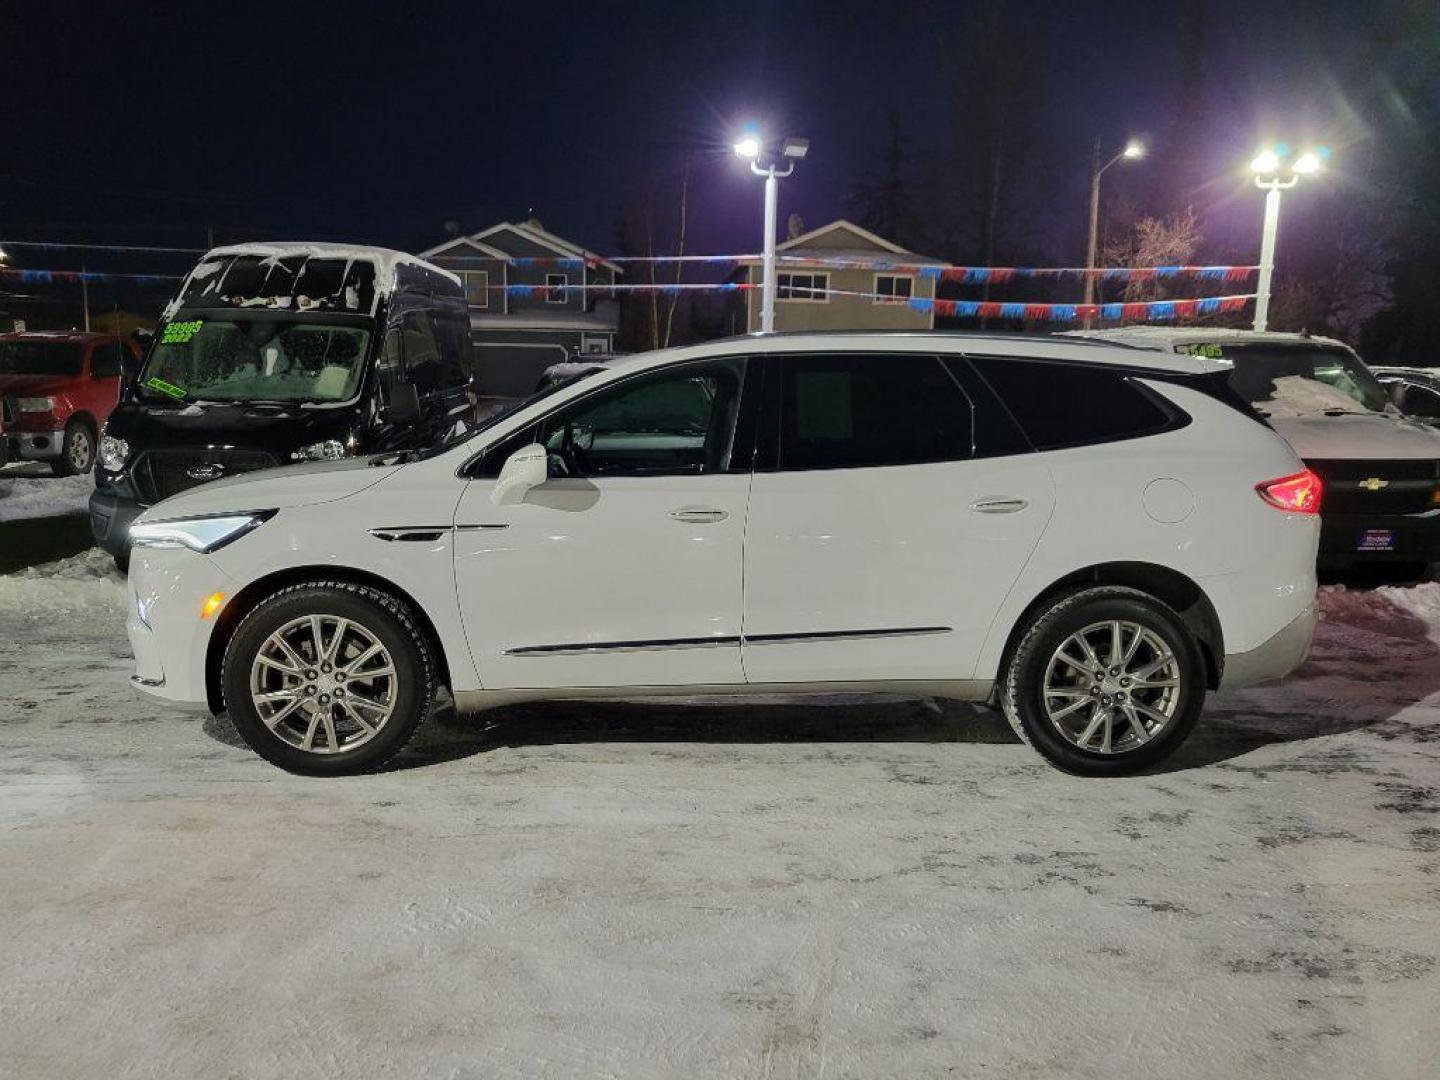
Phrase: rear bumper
(1348, 539)
(111, 516)
(1272, 659)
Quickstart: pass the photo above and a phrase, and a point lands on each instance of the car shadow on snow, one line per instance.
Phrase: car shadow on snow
(1371, 661)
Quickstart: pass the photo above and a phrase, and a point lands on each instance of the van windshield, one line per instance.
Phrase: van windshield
(1285, 379)
(39, 358)
(241, 358)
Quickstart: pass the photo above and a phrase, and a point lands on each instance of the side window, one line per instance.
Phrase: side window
(859, 410)
(1061, 404)
(676, 422)
(430, 363)
(1421, 401)
(106, 362)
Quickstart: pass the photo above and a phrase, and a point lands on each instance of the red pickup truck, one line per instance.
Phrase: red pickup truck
(56, 390)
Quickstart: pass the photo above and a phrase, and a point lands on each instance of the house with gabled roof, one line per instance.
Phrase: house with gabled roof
(843, 277)
(525, 312)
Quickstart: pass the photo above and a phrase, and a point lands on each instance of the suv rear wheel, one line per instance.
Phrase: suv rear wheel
(1107, 681)
(77, 451)
(328, 678)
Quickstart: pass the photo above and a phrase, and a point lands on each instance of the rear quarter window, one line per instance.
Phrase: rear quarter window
(1061, 404)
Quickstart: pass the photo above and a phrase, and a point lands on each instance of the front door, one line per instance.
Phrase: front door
(623, 569)
(881, 545)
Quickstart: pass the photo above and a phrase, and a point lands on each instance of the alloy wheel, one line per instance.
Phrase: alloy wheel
(1111, 687)
(323, 684)
(80, 450)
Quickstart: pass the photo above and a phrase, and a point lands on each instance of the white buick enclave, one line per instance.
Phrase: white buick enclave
(1089, 535)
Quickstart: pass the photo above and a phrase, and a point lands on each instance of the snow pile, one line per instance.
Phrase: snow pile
(84, 583)
(1394, 611)
(28, 490)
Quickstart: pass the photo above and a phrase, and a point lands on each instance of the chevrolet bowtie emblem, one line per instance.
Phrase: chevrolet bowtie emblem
(1374, 483)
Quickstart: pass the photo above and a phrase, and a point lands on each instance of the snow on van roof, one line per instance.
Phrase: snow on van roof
(384, 259)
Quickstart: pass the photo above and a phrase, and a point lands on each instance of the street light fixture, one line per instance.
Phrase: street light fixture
(1134, 151)
(751, 146)
(1272, 176)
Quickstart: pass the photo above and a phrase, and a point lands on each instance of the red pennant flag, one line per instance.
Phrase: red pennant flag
(1037, 311)
(1135, 311)
(1087, 311)
(989, 310)
(1185, 309)
(1001, 274)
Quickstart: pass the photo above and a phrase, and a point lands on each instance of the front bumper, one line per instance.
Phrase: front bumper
(1350, 539)
(170, 638)
(1274, 658)
(111, 516)
(39, 445)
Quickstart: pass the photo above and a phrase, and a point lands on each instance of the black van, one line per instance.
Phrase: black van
(276, 353)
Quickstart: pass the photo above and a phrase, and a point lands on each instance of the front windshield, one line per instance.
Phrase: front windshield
(39, 358)
(1302, 380)
(241, 358)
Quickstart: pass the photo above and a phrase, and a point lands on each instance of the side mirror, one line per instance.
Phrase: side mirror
(402, 403)
(523, 470)
(1397, 394)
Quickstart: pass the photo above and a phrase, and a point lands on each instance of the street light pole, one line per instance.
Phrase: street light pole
(1267, 249)
(1134, 151)
(772, 200)
(792, 150)
(1269, 169)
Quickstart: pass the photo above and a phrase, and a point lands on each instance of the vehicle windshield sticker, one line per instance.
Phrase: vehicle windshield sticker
(1208, 350)
(165, 387)
(178, 333)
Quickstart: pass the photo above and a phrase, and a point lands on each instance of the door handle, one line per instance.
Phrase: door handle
(999, 505)
(699, 515)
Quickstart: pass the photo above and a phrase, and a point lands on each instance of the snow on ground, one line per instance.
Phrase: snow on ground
(29, 490)
(892, 889)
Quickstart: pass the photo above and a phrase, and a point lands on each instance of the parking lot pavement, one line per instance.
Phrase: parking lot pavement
(843, 889)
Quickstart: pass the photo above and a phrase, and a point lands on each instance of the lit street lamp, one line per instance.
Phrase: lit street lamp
(1134, 151)
(1272, 175)
(749, 146)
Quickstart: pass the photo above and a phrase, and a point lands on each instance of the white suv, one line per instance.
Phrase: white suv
(1089, 535)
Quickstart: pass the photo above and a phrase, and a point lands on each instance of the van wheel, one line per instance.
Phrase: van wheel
(328, 678)
(77, 452)
(1108, 680)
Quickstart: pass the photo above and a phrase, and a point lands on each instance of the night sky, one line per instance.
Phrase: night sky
(379, 123)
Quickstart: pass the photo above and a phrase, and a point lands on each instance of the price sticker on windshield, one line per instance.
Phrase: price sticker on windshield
(1208, 351)
(178, 333)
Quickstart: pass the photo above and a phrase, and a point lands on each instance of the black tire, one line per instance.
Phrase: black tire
(1023, 678)
(77, 450)
(388, 620)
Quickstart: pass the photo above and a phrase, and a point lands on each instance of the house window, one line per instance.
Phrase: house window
(893, 288)
(555, 288)
(802, 288)
(477, 288)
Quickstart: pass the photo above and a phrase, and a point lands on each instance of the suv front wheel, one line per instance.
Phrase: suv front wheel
(328, 678)
(1107, 681)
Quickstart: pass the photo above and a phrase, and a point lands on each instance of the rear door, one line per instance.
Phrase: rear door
(890, 514)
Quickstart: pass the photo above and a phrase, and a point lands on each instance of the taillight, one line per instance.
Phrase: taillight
(1299, 494)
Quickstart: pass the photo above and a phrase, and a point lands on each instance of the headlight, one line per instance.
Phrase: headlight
(328, 450)
(203, 534)
(35, 404)
(114, 453)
